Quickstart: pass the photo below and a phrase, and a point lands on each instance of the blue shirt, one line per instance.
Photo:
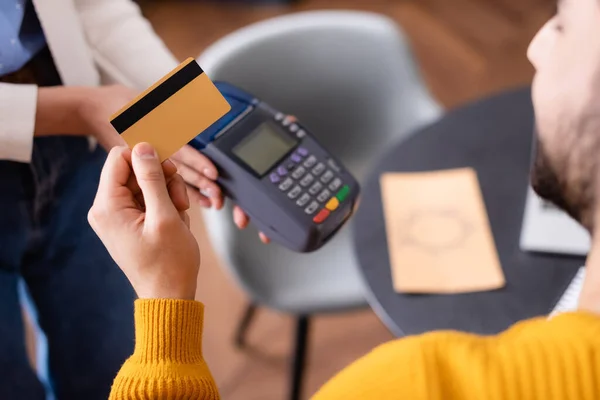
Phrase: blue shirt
(21, 36)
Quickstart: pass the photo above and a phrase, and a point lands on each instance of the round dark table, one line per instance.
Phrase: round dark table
(493, 136)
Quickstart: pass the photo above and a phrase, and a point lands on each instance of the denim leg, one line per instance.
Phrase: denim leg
(84, 302)
(18, 379)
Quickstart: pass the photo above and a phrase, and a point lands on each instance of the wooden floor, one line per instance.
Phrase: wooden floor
(467, 49)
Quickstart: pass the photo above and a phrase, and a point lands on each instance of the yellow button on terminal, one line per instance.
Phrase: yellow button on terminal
(332, 204)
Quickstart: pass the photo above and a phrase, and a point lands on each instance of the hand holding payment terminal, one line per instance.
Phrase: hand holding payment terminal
(294, 191)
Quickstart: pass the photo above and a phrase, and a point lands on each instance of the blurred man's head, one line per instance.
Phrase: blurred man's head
(566, 97)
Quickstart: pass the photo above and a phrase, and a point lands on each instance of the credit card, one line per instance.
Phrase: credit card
(173, 111)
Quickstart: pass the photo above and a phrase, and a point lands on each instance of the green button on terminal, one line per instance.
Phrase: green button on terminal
(343, 193)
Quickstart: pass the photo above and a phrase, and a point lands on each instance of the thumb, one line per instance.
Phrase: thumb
(151, 180)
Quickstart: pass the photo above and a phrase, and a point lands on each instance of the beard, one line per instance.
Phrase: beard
(551, 186)
(546, 182)
(566, 165)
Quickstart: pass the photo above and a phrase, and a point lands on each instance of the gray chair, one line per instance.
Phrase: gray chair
(350, 77)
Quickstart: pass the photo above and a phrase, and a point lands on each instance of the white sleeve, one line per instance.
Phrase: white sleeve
(123, 43)
(17, 121)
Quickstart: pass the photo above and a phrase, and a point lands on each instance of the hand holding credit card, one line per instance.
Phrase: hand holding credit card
(257, 152)
(173, 111)
(168, 115)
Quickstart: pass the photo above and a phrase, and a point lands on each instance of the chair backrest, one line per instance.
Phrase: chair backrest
(350, 77)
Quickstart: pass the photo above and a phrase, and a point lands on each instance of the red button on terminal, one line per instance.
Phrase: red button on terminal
(321, 216)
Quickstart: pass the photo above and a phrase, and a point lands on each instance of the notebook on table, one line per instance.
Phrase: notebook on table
(548, 229)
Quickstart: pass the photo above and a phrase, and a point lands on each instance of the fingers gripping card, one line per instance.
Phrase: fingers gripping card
(173, 111)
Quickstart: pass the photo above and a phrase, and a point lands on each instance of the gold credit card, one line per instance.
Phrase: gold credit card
(173, 111)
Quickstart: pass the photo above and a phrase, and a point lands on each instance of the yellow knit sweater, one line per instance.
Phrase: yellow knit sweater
(536, 359)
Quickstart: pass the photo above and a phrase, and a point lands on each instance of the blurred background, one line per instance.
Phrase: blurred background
(466, 49)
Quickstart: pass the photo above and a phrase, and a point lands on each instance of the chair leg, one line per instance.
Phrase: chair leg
(240, 334)
(299, 356)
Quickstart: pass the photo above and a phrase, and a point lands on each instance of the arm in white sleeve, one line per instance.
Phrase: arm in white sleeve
(123, 42)
(17, 121)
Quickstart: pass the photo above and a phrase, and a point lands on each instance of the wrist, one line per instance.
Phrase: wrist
(83, 106)
(59, 110)
(168, 289)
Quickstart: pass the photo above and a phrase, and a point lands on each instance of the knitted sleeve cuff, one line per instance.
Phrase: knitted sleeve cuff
(168, 331)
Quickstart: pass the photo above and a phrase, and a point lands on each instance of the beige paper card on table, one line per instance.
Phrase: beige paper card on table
(438, 233)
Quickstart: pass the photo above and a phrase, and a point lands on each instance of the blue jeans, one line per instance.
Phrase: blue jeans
(84, 303)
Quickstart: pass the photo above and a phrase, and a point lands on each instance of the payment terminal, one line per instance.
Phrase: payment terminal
(293, 189)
